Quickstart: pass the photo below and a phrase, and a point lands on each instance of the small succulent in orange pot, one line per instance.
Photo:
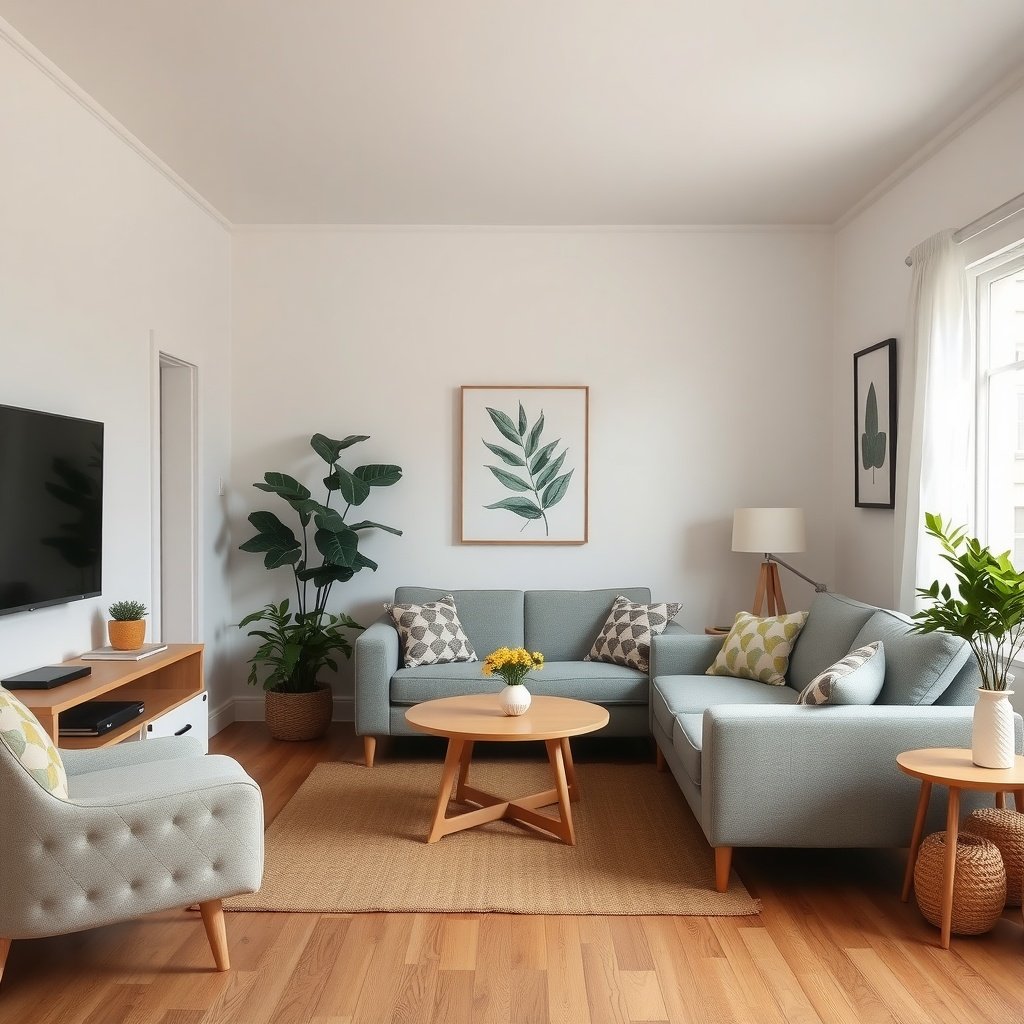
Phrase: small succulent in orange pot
(127, 626)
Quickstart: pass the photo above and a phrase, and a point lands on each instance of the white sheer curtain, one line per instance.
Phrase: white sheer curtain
(935, 447)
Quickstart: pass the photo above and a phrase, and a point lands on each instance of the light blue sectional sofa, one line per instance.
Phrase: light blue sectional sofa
(563, 624)
(759, 770)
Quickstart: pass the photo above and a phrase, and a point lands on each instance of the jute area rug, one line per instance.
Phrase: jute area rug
(352, 840)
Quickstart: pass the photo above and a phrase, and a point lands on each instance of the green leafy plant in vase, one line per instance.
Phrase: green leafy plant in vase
(987, 611)
(126, 628)
(299, 641)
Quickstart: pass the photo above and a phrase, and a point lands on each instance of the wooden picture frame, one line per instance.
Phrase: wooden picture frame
(875, 426)
(524, 464)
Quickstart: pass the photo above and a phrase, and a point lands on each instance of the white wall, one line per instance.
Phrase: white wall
(98, 249)
(975, 172)
(706, 355)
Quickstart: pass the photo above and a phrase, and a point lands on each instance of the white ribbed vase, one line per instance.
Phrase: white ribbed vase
(992, 738)
(515, 700)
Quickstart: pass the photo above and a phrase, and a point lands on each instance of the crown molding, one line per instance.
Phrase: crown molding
(22, 46)
(1005, 87)
(583, 229)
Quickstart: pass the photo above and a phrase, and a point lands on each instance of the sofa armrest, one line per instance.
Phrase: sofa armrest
(376, 661)
(683, 654)
(124, 755)
(820, 776)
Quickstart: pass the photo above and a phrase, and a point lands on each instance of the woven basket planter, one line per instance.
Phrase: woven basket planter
(979, 886)
(299, 716)
(1005, 828)
(126, 635)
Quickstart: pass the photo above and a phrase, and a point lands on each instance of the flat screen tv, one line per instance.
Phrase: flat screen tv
(51, 509)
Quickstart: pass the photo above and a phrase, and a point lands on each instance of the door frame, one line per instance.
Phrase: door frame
(160, 359)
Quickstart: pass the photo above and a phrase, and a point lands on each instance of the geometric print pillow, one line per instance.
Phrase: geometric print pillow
(431, 633)
(24, 737)
(759, 648)
(625, 638)
(855, 679)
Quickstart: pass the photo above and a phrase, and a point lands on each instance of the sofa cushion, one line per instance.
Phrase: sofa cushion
(759, 648)
(595, 681)
(31, 746)
(686, 742)
(828, 634)
(431, 633)
(855, 679)
(963, 690)
(562, 624)
(491, 618)
(918, 667)
(676, 695)
(625, 637)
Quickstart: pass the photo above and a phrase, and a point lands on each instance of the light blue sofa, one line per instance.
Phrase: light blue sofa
(759, 770)
(563, 624)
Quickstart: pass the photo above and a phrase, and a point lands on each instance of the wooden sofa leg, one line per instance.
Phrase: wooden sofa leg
(659, 758)
(5, 948)
(216, 932)
(369, 750)
(723, 865)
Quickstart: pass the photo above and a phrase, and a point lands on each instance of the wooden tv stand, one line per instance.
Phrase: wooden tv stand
(162, 681)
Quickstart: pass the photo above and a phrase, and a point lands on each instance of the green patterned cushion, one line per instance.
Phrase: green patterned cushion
(759, 648)
(25, 738)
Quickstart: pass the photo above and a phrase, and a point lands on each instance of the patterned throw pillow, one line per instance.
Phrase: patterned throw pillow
(625, 637)
(855, 679)
(759, 648)
(26, 739)
(431, 633)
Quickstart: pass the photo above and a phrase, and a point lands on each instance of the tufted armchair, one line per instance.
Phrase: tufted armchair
(148, 826)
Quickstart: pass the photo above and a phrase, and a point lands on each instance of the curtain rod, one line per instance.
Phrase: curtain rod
(988, 220)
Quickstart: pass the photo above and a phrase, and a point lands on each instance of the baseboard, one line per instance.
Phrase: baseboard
(222, 717)
(250, 709)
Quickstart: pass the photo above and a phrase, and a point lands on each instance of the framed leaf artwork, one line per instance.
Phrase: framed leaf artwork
(874, 427)
(524, 464)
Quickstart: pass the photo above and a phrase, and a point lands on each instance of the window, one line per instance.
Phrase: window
(1000, 328)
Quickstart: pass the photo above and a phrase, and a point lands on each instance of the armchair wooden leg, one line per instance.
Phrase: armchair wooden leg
(5, 948)
(216, 932)
(369, 750)
(723, 865)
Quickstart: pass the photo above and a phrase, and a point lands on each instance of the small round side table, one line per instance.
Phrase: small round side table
(952, 767)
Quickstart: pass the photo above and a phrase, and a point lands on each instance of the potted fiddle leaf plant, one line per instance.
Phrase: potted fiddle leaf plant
(987, 610)
(299, 641)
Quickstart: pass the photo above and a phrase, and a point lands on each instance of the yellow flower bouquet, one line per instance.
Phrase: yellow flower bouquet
(512, 664)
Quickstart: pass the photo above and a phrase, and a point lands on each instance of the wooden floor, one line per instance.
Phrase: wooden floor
(833, 944)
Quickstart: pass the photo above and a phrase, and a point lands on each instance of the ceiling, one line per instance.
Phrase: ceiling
(531, 111)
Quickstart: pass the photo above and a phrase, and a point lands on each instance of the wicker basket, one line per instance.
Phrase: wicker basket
(979, 886)
(299, 716)
(1005, 828)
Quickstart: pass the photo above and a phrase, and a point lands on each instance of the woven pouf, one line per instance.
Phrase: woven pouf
(1005, 828)
(979, 886)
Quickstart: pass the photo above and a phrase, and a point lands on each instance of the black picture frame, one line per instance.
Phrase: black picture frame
(875, 432)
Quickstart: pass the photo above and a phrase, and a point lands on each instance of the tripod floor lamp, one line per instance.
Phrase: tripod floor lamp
(770, 530)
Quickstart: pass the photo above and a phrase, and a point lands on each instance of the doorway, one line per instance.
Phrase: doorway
(176, 475)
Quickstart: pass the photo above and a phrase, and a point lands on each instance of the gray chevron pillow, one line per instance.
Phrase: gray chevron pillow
(431, 633)
(625, 638)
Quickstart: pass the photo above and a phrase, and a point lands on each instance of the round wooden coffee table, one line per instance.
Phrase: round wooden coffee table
(952, 767)
(478, 718)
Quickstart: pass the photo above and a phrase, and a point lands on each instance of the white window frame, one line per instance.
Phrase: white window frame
(985, 272)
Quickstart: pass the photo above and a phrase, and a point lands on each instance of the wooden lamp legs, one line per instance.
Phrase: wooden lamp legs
(769, 588)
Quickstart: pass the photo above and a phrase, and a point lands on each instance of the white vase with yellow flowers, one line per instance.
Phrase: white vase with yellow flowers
(513, 664)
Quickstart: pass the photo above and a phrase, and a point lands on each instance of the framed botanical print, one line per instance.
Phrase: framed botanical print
(874, 404)
(524, 464)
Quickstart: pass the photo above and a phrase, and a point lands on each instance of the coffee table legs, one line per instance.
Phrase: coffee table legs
(952, 829)
(915, 839)
(522, 810)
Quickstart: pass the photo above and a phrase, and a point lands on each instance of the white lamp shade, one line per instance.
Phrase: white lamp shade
(768, 529)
